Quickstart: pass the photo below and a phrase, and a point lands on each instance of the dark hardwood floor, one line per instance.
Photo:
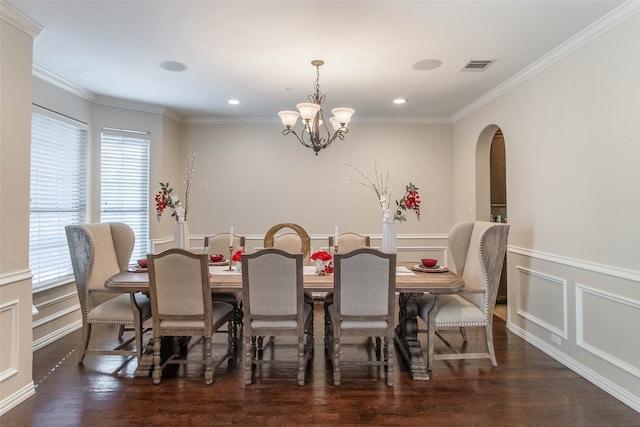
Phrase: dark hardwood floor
(527, 388)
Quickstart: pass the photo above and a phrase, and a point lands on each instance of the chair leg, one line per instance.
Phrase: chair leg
(120, 332)
(86, 335)
(488, 330)
(431, 341)
(335, 362)
(388, 343)
(302, 360)
(232, 339)
(208, 370)
(248, 359)
(463, 332)
(157, 362)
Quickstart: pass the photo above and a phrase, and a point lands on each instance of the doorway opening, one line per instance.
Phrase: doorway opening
(491, 193)
(498, 186)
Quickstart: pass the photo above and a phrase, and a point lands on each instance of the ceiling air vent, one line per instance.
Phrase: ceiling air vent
(477, 65)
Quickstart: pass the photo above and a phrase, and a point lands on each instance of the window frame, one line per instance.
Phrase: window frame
(70, 187)
(116, 182)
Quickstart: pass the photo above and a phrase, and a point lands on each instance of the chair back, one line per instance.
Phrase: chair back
(219, 244)
(478, 250)
(179, 288)
(98, 251)
(272, 287)
(348, 242)
(365, 284)
(300, 242)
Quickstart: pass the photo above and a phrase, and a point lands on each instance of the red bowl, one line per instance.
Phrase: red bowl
(216, 257)
(142, 263)
(428, 262)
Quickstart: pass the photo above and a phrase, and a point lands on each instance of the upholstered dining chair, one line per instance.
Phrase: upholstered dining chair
(98, 251)
(182, 305)
(272, 289)
(364, 285)
(219, 244)
(293, 243)
(478, 250)
(348, 242)
(298, 242)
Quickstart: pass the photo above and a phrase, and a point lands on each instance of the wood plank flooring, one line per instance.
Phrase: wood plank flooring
(527, 388)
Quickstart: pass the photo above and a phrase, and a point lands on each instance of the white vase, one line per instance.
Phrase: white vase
(181, 235)
(389, 237)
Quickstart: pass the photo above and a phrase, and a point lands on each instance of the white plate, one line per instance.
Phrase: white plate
(434, 269)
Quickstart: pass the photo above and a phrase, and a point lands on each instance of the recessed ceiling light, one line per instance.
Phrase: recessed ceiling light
(400, 101)
(173, 66)
(233, 102)
(427, 64)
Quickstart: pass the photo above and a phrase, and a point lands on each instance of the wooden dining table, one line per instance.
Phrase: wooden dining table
(410, 285)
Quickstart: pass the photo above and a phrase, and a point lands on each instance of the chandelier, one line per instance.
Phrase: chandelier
(316, 134)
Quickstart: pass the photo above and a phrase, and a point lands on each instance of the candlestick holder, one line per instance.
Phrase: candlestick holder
(230, 256)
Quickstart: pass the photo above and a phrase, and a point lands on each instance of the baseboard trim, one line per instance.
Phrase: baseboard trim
(56, 335)
(17, 398)
(598, 380)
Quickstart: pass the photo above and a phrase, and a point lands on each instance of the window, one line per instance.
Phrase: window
(124, 183)
(58, 195)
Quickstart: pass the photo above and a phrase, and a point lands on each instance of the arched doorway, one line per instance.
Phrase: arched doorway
(491, 186)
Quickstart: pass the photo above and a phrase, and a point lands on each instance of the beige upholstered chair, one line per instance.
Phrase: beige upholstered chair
(219, 244)
(365, 284)
(182, 306)
(272, 290)
(98, 251)
(348, 242)
(478, 250)
(293, 243)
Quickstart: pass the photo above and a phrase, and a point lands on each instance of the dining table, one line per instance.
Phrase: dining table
(412, 281)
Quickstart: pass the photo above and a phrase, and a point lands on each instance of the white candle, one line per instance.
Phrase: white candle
(335, 237)
(231, 237)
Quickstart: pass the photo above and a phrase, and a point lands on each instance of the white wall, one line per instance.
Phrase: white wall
(257, 178)
(16, 47)
(573, 193)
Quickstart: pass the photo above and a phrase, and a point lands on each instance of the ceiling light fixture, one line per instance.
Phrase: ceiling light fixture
(313, 119)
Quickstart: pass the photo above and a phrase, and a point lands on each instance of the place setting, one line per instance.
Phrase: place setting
(217, 260)
(429, 265)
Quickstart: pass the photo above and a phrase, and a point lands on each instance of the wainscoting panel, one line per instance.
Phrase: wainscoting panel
(542, 299)
(603, 327)
(583, 314)
(58, 314)
(9, 356)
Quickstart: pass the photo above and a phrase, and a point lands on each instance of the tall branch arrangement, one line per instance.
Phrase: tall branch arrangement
(165, 198)
(380, 185)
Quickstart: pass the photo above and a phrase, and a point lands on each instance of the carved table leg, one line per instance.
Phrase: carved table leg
(407, 337)
(145, 365)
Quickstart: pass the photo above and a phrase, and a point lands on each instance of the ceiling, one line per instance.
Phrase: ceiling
(260, 51)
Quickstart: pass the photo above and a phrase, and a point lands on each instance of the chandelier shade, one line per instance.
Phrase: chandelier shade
(314, 135)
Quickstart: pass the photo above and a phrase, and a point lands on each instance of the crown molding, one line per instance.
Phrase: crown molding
(12, 16)
(63, 84)
(595, 30)
(273, 120)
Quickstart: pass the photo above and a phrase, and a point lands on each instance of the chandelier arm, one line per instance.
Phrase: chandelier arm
(302, 141)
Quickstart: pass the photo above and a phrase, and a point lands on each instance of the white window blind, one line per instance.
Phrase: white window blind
(124, 183)
(58, 195)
